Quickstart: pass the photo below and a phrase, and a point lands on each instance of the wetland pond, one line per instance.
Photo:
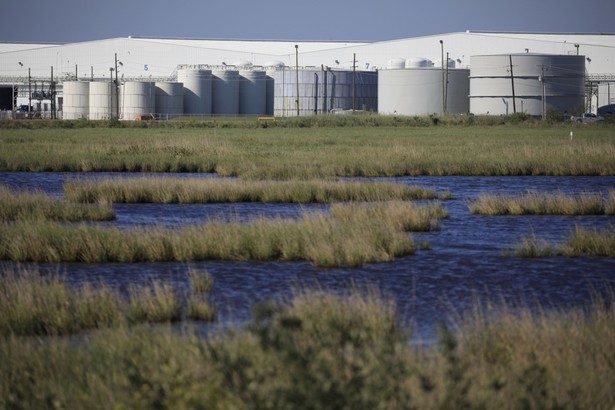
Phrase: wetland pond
(466, 261)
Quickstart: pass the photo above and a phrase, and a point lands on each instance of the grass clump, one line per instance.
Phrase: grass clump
(200, 281)
(213, 190)
(37, 206)
(580, 242)
(532, 247)
(590, 242)
(35, 304)
(324, 350)
(543, 204)
(351, 235)
(200, 308)
(154, 304)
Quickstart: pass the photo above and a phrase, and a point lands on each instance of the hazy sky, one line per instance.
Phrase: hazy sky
(73, 21)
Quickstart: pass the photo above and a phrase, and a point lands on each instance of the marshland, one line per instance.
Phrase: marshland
(345, 252)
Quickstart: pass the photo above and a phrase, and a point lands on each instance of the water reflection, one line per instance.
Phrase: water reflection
(466, 260)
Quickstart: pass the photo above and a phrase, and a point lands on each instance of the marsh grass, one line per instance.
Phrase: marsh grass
(312, 153)
(533, 247)
(543, 204)
(580, 242)
(213, 190)
(35, 304)
(37, 206)
(324, 350)
(200, 308)
(200, 281)
(352, 235)
(154, 304)
(591, 242)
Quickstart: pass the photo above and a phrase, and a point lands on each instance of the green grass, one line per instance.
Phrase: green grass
(35, 304)
(37, 206)
(323, 350)
(352, 235)
(580, 242)
(544, 204)
(200, 308)
(316, 152)
(213, 190)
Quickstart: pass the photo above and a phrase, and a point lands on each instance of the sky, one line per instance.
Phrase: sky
(64, 21)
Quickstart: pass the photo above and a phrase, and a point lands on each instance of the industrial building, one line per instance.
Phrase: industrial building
(479, 72)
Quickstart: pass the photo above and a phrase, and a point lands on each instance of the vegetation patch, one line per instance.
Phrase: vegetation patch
(37, 206)
(396, 146)
(35, 304)
(324, 350)
(544, 204)
(350, 235)
(580, 242)
(215, 190)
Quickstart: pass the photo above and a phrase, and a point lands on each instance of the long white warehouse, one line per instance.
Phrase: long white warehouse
(157, 60)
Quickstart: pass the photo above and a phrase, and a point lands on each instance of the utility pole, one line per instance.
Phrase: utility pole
(297, 75)
(354, 67)
(111, 95)
(52, 96)
(29, 92)
(544, 102)
(117, 92)
(446, 86)
(442, 69)
(512, 83)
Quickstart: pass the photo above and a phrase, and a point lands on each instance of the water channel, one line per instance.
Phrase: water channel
(467, 259)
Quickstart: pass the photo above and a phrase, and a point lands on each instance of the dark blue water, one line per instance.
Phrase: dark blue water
(467, 259)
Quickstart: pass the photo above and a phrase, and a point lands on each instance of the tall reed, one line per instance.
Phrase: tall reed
(351, 235)
(33, 206)
(211, 190)
(543, 204)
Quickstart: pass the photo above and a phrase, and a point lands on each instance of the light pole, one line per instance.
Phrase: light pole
(297, 75)
(442, 69)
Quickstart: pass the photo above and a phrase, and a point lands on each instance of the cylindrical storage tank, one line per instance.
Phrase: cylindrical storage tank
(492, 82)
(169, 99)
(271, 67)
(324, 90)
(137, 99)
(197, 90)
(418, 62)
(103, 100)
(420, 91)
(76, 103)
(252, 92)
(225, 92)
(396, 63)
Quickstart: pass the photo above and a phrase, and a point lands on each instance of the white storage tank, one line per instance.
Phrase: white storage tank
(271, 67)
(137, 99)
(225, 92)
(491, 85)
(253, 92)
(169, 99)
(419, 91)
(324, 90)
(396, 63)
(418, 62)
(76, 103)
(103, 100)
(197, 86)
